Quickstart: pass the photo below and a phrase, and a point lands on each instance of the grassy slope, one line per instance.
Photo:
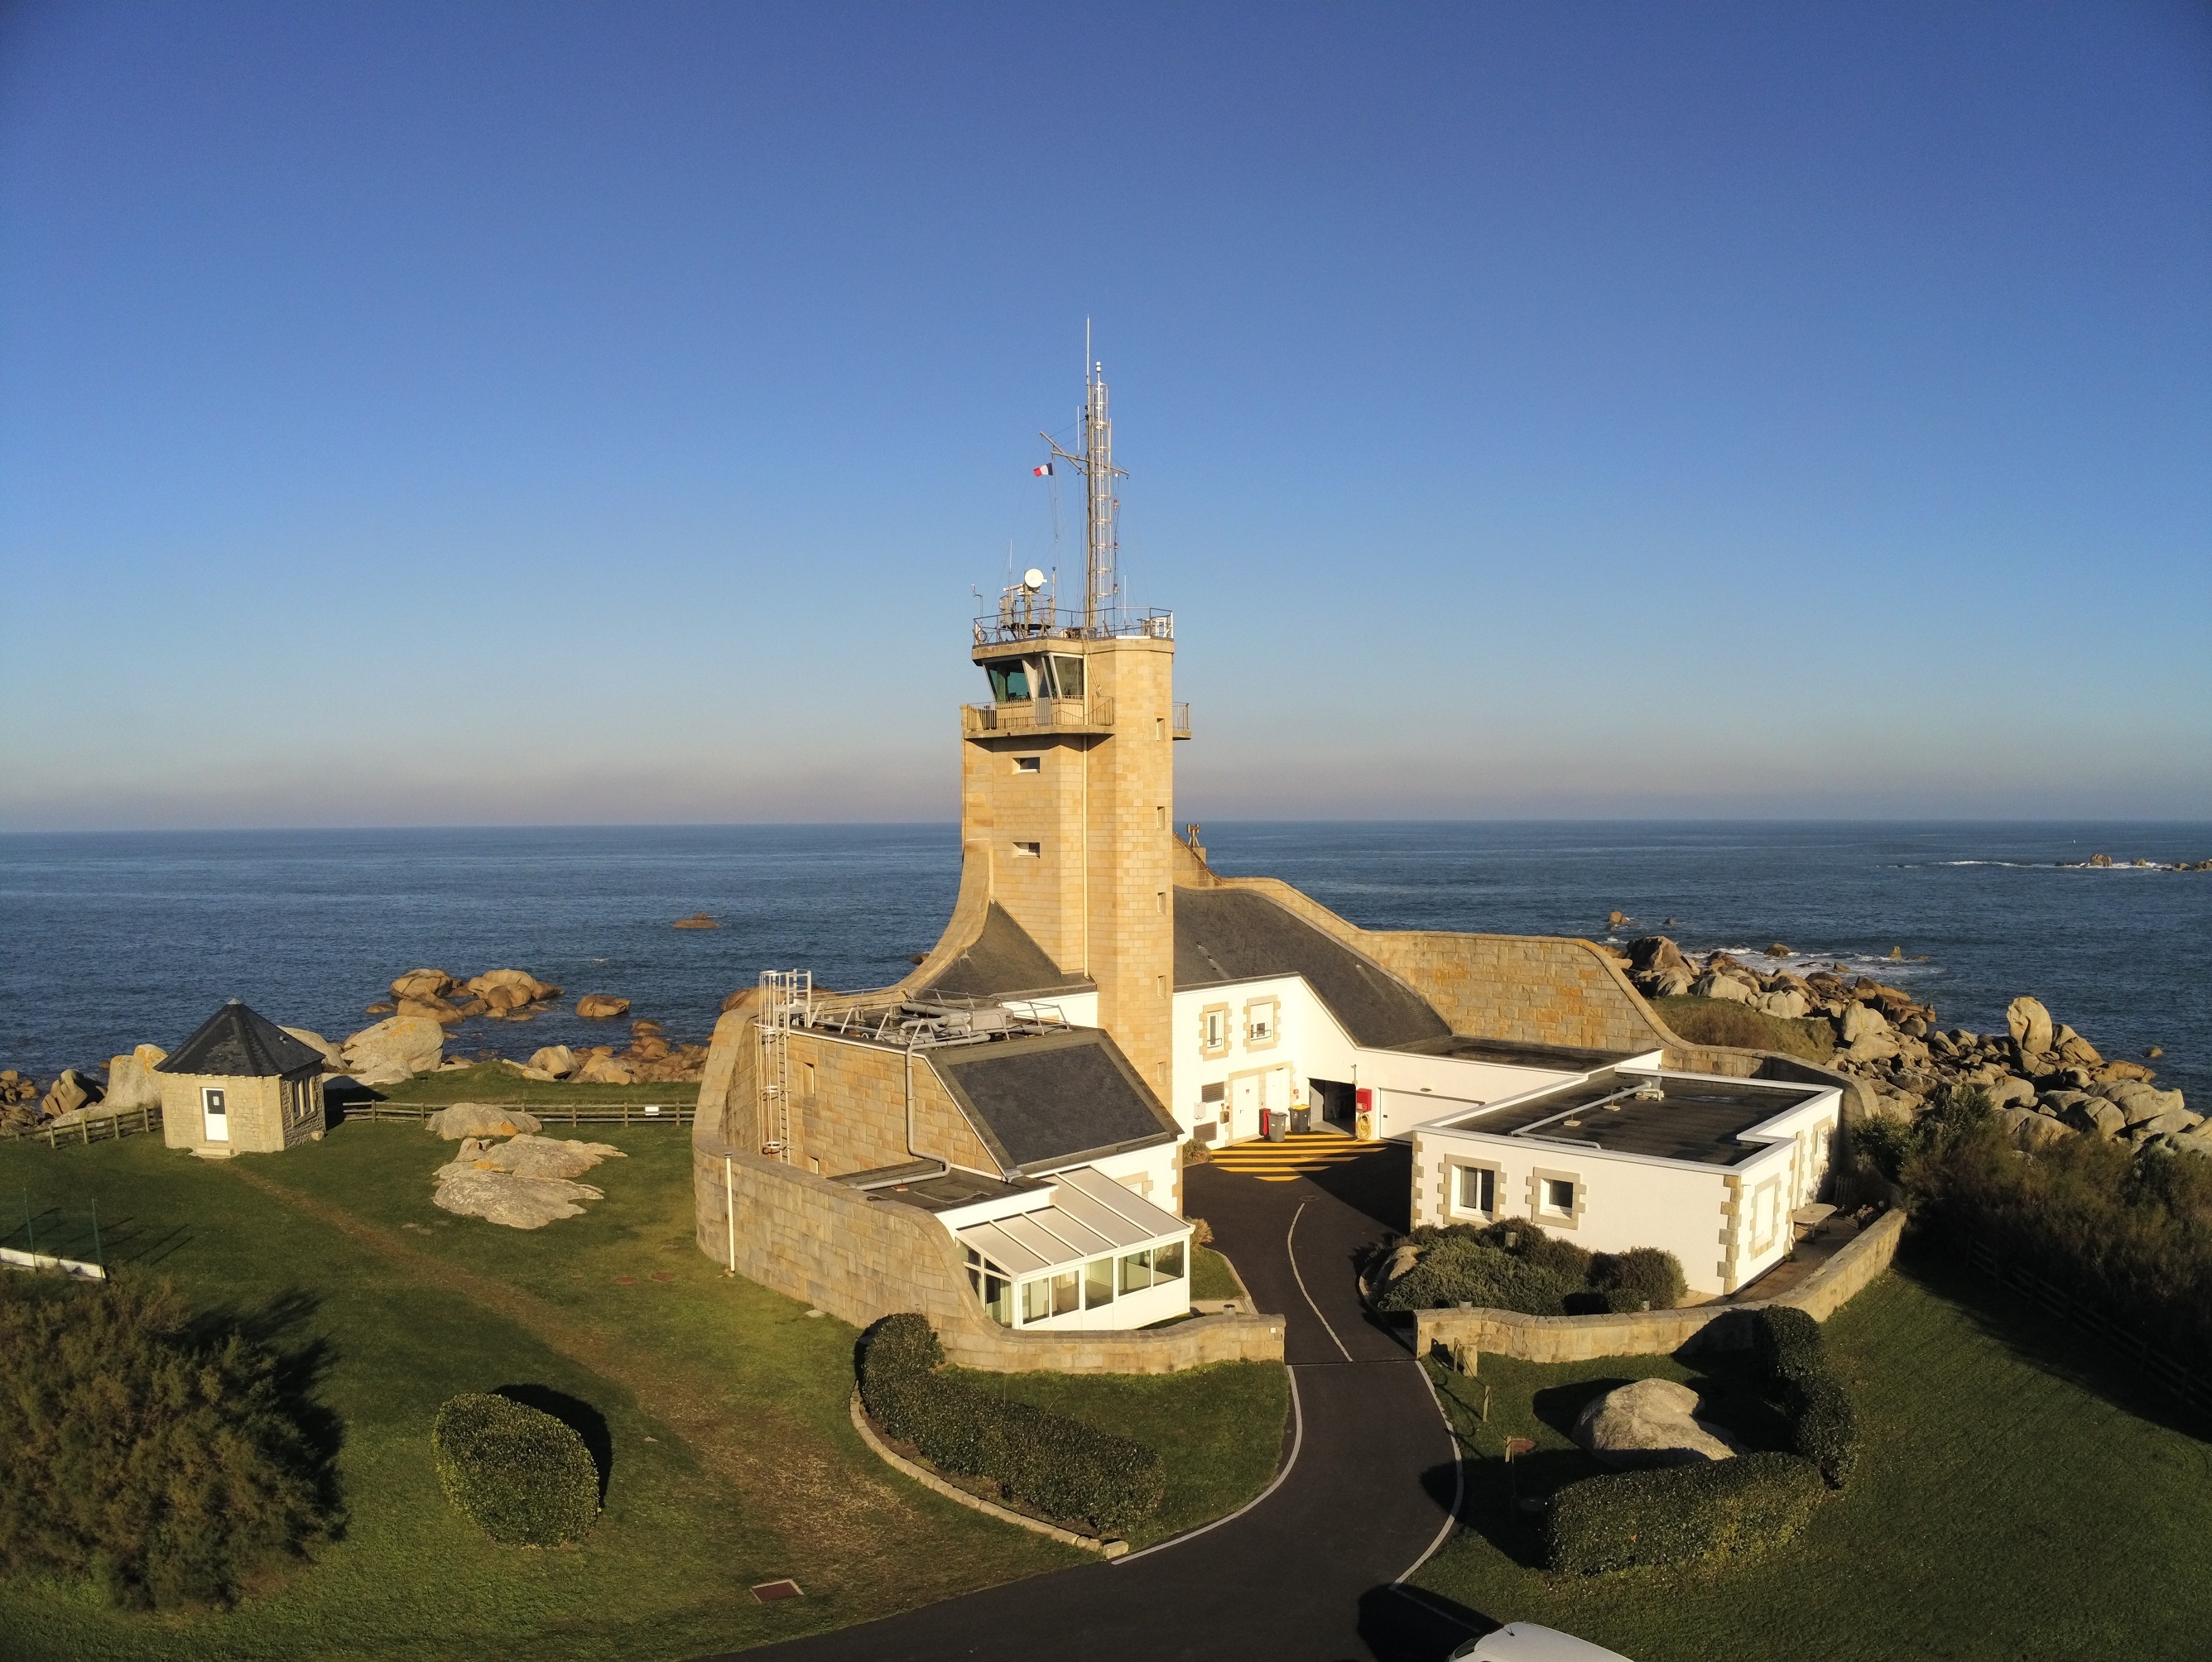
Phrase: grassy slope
(1723, 1022)
(734, 1460)
(2003, 1507)
(1212, 1275)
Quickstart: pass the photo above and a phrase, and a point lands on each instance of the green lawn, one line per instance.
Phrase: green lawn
(2014, 1499)
(1212, 1275)
(734, 1459)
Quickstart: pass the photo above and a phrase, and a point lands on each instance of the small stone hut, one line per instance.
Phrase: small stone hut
(240, 1085)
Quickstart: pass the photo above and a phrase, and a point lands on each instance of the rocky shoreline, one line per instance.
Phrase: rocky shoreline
(2045, 1079)
(410, 1041)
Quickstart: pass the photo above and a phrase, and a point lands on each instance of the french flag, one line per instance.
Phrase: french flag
(1043, 472)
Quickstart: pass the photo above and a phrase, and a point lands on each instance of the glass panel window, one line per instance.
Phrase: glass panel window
(1167, 1261)
(1137, 1271)
(1259, 1023)
(1216, 1029)
(1478, 1189)
(1067, 1292)
(1067, 676)
(1097, 1282)
(1010, 681)
(1037, 1299)
(1559, 1197)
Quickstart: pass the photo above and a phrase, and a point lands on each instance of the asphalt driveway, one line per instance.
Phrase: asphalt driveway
(1306, 1574)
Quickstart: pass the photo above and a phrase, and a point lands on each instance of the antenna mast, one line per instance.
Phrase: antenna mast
(1102, 587)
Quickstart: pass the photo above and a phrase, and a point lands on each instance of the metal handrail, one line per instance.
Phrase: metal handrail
(1048, 623)
(1042, 715)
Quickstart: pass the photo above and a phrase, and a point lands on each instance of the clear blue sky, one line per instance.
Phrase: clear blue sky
(472, 413)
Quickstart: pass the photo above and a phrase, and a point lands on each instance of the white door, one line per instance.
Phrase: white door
(218, 1115)
(1275, 1090)
(1245, 1107)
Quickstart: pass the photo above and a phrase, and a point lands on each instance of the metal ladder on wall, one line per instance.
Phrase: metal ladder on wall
(786, 996)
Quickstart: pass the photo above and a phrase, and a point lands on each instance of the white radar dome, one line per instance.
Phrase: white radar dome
(1032, 579)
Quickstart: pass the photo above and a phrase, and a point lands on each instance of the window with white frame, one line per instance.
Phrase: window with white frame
(1477, 1189)
(1213, 1030)
(1028, 764)
(1556, 1196)
(1028, 851)
(1261, 1017)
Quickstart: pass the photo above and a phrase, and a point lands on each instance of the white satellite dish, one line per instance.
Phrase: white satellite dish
(1032, 579)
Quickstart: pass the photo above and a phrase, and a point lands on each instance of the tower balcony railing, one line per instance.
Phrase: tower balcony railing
(1039, 715)
(1179, 720)
(1042, 621)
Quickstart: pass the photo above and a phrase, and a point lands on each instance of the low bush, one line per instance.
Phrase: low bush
(1788, 1344)
(1513, 1264)
(163, 1459)
(1823, 1427)
(1679, 1514)
(1724, 1022)
(1464, 1272)
(1642, 1278)
(1060, 1466)
(519, 1474)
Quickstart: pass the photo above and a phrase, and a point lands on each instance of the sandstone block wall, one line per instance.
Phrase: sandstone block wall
(812, 1239)
(1583, 1339)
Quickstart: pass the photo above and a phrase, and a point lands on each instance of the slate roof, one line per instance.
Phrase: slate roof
(240, 1044)
(1002, 962)
(1227, 935)
(1052, 1101)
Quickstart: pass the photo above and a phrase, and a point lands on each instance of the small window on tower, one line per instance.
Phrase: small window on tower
(1160, 817)
(1028, 851)
(1028, 764)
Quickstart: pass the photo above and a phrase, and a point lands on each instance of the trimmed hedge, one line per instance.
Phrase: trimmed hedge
(1062, 1467)
(1823, 1426)
(1794, 1359)
(1678, 1514)
(519, 1474)
(1459, 1270)
(145, 1451)
(1788, 1344)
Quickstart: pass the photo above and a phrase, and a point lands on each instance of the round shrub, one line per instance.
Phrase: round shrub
(520, 1475)
(1678, 1514)
(138, 1448)
(1641, 1277)
(1788, 1344)
(1461, 1271)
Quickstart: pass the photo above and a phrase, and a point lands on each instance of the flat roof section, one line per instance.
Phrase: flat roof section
(1506, 1053)
(939, 1192)
(1695, 1120)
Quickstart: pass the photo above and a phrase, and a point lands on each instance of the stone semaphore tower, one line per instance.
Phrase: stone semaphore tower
(1067, 773)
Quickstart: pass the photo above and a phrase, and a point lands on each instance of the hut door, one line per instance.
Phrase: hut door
(218, 1115)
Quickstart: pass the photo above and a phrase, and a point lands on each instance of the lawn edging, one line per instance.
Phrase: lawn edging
(1649, 1333)
(929, 1479)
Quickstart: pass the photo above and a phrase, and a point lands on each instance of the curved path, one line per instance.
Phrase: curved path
(1304, 1575)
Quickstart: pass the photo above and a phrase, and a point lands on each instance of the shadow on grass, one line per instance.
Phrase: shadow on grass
(579, 1416)
(2047, 1342)
(1412, 1624)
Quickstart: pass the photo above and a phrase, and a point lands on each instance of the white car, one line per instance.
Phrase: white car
(1524, 1641)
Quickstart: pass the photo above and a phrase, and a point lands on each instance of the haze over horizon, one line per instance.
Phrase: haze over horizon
(420, 414)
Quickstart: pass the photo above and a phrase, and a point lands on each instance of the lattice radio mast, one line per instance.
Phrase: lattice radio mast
(1102, 586)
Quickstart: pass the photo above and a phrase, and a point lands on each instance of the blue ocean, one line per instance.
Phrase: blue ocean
(114, 940)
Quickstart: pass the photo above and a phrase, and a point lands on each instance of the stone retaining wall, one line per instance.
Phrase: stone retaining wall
(812, 1239)
(1643, 1334)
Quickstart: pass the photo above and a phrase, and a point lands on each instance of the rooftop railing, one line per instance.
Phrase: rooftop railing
(1015, 621)
(1038, 715)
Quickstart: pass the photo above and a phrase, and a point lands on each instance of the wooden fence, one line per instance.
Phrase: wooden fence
(2185, 1382)
(103, 1127)
(552, 1113)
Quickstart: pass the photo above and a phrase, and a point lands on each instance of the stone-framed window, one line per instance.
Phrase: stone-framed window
(1555, 1198)
(1263, 1023)
(1213, 1030)
(1473, 1188)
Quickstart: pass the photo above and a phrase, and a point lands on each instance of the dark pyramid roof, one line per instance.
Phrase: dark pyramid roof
(237, 1042)
(1227, 935)
(1051, 1101)
(1000, 961)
